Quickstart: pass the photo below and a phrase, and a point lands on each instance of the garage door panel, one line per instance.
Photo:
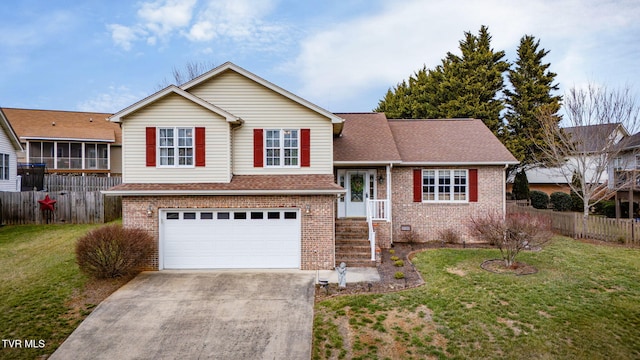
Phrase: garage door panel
(253, 238)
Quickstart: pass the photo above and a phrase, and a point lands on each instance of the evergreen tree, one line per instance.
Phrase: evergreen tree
(465, 86)
(532, 87)
(521, 186)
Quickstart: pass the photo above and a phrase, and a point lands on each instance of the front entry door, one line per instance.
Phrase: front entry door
(359, 186)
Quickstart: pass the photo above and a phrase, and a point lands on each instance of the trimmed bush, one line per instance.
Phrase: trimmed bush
(539, 200)
(606, 208)
(399, 263)
(399, 275)
(560, 201)
(112, 251)
(394, 258)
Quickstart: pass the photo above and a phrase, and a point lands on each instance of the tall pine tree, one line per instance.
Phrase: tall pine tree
(466, 85)
(532, 88)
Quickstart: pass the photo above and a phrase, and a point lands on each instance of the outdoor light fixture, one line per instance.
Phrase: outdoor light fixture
(380, 179)
(149, 211)
(307, 209)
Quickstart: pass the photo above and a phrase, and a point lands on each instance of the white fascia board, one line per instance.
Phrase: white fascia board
(41, 138)
(218, 192)
(11, 134)
(462, 163)
(117, 117)
(364, 163)
(231, 66)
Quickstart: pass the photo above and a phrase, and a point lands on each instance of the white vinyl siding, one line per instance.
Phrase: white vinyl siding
(262, 108)
(175, 111)
(6, 148)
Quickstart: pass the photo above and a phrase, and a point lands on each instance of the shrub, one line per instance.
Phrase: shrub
(539, 200)
(399, 275)
(112, 251)
(395, 258)
(606, 208)
(410, 237)
(521, 186)
(513, 234)
(450, 236)
(560, 201)
(399, 263)
(392, 251)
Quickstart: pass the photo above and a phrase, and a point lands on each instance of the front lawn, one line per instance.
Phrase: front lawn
(41, 288)
(584, 303)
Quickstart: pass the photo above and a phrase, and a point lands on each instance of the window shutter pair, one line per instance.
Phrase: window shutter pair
(151, 146)
(473, 185)
(258, 147)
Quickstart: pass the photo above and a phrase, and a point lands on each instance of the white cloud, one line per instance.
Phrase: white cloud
(240, 21)
(347, 58)
(114, 99)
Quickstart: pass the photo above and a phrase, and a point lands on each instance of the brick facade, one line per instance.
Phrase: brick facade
(427, 219)
(318, 249)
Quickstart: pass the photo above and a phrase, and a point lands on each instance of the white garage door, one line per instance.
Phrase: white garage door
(225, 239)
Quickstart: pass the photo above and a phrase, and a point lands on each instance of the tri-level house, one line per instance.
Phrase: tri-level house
(232, 171)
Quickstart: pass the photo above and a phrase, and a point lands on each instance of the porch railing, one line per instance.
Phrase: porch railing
(376, 210)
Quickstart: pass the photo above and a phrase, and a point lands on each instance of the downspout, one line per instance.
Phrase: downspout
(234, 126)
(389, 199)
(504, 192)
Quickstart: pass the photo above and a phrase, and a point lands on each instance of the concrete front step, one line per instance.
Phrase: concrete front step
(356, 263)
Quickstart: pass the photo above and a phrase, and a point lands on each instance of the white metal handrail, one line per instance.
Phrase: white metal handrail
(372, 233)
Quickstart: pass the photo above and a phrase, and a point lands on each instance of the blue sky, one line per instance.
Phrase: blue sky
(342, 55)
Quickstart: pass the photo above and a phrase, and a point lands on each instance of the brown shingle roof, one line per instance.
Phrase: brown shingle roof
(38, 124)
(366, 137)
(448, 141)
(288, 184)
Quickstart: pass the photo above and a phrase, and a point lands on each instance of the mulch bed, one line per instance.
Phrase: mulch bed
(387, 271)
(517, 268)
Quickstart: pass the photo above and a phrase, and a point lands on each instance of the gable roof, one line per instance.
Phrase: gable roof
(63, 125)
(365, 137)
(595, 136)
(448, 141)
(172, 89)
(228, 66)
(11, 134)
(372, 138)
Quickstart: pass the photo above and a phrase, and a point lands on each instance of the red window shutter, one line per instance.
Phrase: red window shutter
(151, 146)
(473, 185)
(305, 147)
(258, 147)
(200, 147)
(417, 185)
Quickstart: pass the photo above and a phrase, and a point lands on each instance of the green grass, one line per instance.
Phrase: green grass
(583, 303)
(38, 275)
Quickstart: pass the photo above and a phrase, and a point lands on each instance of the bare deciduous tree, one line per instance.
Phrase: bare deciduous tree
(600, 120)
(190, 71)
(512, 234)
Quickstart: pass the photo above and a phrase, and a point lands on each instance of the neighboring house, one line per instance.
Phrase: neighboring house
(68, 142)
(550, 180)
(624, 174)
(10, 148)
(232, 171)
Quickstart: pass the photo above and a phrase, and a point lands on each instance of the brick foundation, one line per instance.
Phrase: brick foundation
(317, 252)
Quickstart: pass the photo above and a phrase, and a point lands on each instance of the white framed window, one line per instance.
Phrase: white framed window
(445, 185)
(175, 147)
(4, 167)
(282, 147)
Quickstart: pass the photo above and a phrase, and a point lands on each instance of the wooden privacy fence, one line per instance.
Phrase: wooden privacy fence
(53, 182)
(71, 207)
(622, 231)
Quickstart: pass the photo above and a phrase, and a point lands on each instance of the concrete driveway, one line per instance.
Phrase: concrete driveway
(200, 315)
